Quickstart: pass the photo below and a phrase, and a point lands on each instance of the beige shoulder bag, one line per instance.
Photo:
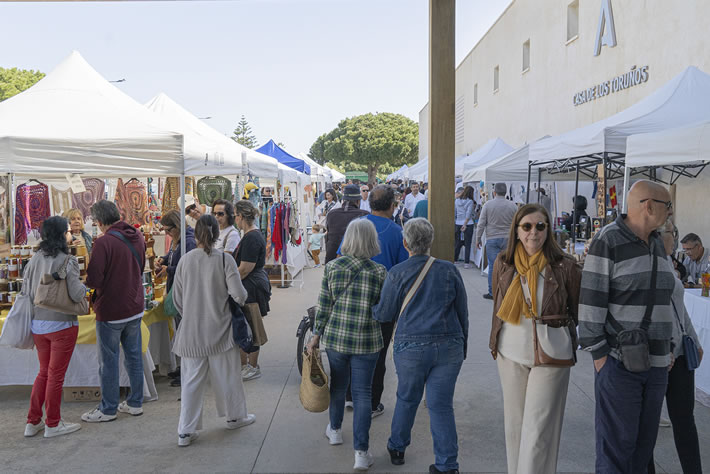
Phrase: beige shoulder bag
(53, 294)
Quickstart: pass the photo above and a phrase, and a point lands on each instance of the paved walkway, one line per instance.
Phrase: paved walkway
(286, 438)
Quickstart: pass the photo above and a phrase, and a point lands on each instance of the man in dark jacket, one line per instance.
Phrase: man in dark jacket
(115, 272)
(337, 220)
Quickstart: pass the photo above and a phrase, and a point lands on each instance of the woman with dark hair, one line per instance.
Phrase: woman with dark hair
(54, 333)
(228, 240)
(463, 233)
(204, 281)
(168, 264)
(251, 257)
(533, 278)
(329, 203)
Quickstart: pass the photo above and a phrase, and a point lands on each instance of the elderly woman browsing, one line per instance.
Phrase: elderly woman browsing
(427, 299)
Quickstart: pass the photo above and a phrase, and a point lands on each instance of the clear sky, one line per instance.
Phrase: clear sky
(294, 68)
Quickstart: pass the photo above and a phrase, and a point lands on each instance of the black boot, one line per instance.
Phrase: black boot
(397, 457)
(434, 470)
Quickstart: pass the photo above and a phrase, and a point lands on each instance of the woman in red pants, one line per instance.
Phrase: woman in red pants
(54, 333)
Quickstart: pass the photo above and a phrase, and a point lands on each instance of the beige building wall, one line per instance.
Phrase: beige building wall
(667, 36)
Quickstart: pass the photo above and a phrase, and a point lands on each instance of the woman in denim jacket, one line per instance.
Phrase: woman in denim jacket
(429, 344)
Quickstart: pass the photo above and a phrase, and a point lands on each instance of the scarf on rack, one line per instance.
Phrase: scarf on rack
(31, 209)
(93, 194)
(514, 301)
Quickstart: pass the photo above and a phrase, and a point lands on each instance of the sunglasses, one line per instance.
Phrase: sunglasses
(218, 213)
(668, 204)
(540, 226)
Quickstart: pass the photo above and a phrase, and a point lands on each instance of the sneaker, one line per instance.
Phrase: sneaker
(96, 416)
(434, 470)
(175, 382)
(123, 407)
(349, 405)
(363, 460)
(31, 430)
(467, 266)
(175, 373)
(488, 296)
(61, 429)
(235, 424)
(663, 423)
(251, 373)
(378, 411)
(186, 439)
(334, 436)
(396, 457)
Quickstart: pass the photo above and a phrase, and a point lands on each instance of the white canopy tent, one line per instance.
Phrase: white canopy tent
(336, 175)
(401, 173)
(74, 121)
(419, 171)
(491, 150)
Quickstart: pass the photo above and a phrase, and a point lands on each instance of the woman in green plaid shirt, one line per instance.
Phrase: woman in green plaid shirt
(351, 286)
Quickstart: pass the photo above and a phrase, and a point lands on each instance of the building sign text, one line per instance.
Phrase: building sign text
(632, 78)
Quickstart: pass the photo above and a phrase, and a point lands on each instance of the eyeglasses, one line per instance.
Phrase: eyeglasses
(218, 213)
(540, 226)
(668, 204)
(691, 248)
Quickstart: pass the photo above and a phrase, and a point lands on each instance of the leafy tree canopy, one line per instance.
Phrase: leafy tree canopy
(244, 135)
(13, 81)
(374, 143)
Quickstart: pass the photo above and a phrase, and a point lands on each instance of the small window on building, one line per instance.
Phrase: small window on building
(526, 55)
(572, 20)
(475, 94)
(496, 78)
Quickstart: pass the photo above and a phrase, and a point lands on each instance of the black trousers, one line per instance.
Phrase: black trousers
(378, 380)
(680, 400)
(467, 237)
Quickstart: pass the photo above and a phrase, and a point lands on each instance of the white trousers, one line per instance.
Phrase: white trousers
(533, 406)
(225, 377)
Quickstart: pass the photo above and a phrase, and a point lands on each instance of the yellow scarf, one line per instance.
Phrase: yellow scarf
(514, 300)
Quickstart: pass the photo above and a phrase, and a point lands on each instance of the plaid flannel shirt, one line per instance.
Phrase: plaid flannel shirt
(344, 316)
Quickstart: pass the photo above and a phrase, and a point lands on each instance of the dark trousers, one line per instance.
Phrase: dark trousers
(680, 400)
(627, 412)
(378, 379)
(467, 236)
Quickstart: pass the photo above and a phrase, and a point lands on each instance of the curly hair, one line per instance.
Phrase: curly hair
(246, 210)
(54, 236)
(228, 209)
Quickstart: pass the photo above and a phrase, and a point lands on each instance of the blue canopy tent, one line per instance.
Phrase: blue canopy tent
(275, 151)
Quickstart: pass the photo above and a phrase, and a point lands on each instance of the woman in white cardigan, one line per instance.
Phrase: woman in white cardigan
(204, 280)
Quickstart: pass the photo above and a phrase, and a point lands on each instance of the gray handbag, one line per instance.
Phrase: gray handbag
(53, 293)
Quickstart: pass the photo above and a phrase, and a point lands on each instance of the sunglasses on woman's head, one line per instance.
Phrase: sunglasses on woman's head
(540, 226)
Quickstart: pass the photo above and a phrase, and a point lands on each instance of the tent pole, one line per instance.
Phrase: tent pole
(539, 179)
(527, 190)
(183, 226)
(574, 207)
(605, 161)
(627, 177)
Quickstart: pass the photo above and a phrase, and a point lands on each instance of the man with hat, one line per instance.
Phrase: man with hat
(337, 220)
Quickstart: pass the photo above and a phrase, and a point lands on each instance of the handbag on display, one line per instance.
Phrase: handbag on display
(17, 330)
(314, 392)
(53, 293)
(552, 341)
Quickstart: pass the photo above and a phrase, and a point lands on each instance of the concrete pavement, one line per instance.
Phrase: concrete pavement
(286, 438)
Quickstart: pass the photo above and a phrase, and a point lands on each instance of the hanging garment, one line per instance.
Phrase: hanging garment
(171, 194)
(277, 233)
(61, 200)
(31, 209)
(284, 231)
(4, 210)
(93, 194)
(132, 202)
(211, 188)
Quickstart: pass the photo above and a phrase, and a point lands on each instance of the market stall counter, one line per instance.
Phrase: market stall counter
(699, 310)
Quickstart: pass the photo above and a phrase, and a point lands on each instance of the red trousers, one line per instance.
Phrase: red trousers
(54, 351)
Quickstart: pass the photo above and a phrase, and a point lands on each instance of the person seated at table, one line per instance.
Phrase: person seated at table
(697, 257)
(78, 234)
(54, 333)
(580, 209)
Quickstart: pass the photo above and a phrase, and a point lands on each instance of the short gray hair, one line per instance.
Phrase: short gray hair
(360, 239)
(419, 235)
(501, 189)
(105, 213)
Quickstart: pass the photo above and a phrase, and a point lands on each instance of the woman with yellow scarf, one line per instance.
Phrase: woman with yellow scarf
(533, 338)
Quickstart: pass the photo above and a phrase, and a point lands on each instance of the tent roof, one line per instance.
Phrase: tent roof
(336, 175)
(491, 150)
(272, 149)
(678, 146)
(208, 152)
(419, 171)
(510, 167)
(684, 99)
(74, 121)
(316, 169)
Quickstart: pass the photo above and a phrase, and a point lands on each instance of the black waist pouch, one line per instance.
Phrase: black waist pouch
(634, 350)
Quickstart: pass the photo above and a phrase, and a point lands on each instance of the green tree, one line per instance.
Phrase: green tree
(13, 81)
(244, 135)
(370, 143)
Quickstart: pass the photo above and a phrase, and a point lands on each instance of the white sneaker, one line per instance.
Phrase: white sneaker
(235, 424)
(363, 460)
(124, 407)
(96, 416)
(31, 430)
(61, 429)
(252, 373)
(349, 405)
(663, 423)
(245, 370)
(186, 439)
(334, 436)
(467, 266)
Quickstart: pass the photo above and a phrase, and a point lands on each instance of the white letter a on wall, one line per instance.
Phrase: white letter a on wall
(606, 33)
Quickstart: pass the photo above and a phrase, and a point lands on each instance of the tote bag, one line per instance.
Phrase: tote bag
(17, 330)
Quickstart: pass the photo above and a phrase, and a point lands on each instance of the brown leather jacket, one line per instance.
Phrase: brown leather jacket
(560, 295)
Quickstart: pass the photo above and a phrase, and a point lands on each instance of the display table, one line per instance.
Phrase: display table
(699, 310)
(161, 330)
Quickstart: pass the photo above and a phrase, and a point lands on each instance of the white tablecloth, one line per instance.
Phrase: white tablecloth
(160, 347)
(699, 309)
(20, 367)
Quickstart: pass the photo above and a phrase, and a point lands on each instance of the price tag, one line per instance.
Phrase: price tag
(75, 183)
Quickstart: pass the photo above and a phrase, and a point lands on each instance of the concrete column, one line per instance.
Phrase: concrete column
(442, 90)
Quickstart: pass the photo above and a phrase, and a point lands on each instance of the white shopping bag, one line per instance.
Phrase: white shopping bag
(17, 330)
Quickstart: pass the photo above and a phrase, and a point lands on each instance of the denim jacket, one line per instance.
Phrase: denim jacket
(438, 310)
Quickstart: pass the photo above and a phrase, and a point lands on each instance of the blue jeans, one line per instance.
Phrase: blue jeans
(627, 412)
(435, 365)
(362, 367)
(493, 248)
(108, 337)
